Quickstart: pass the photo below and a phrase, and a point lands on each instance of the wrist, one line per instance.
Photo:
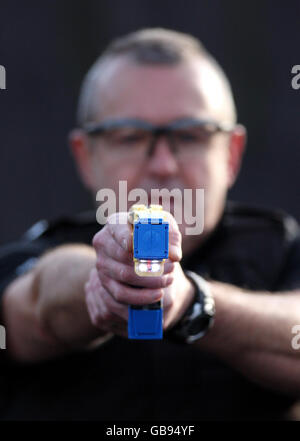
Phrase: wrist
(189, 298)
(198, 318)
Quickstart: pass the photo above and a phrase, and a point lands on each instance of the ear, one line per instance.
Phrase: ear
(80, 149)
(236, 150)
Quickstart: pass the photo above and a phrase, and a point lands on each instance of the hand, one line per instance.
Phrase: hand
(113, 285)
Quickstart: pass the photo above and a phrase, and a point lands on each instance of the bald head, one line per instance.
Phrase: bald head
(154, 48)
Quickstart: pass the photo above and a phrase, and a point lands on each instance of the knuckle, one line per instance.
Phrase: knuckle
(100, 263)
(93, 320)
(111, 220)
(157, 283)
(160, 282)
(119, 294)
(97, 239)
(107, 316)
(121, 254)
(176, 236)
(88, 296)
(104, 280)
(124, 274)
(87, 301)
(164, 281)
(124, 241)
(169, 267)
(86, 288)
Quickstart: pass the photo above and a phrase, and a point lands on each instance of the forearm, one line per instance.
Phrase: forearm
(253, 332)
(59, 280)
(44, 311)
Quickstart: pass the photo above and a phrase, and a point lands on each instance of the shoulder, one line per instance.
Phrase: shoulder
(81, 226)
(48, 233)
(242, 218)
(20, 256)
(252, 245)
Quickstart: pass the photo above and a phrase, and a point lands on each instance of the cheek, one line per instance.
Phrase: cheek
(217, 186)
(218, 169)
(209, 173)
(107, 172)
(213, 168)
(195, 174)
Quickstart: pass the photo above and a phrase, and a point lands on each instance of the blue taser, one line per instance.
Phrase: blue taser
(150, 249)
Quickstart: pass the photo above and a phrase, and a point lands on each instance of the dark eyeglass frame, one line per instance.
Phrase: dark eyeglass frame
(212, 127)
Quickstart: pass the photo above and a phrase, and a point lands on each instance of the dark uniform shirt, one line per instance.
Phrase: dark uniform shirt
(126, 379)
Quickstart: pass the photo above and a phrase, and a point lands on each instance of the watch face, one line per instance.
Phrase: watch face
(198, 325)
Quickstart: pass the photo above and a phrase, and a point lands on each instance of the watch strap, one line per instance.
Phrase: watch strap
(199, 315)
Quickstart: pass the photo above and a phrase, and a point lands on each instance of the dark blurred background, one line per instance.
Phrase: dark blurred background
(46, 47)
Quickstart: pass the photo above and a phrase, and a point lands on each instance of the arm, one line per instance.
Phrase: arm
(252, 330)
(253, 333)
(44, 311)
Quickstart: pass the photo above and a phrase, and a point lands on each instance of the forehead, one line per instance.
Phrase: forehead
(159, 93)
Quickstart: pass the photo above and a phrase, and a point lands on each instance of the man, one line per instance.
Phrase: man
(157, 111)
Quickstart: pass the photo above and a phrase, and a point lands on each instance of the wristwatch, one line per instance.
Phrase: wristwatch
(199, 317)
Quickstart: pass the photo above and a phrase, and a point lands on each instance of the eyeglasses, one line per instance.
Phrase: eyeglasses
(135, 138)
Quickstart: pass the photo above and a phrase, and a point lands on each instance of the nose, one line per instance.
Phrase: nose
(162, 162)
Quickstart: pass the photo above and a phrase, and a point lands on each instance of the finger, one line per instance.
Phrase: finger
(119, 311)
(89, 298)
(129, 295)
(175, 238)
(121, 230)
(112, 249)
(118, 229)
(169, 266)
(90, 306)
(104, 310)
(126, 273)
(168, 301)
